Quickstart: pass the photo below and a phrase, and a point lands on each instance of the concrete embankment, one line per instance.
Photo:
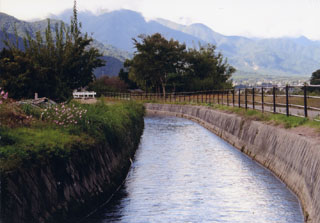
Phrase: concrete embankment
(293, 158)
(65, 189)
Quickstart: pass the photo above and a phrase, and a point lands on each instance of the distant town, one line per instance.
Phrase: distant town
(269, 81)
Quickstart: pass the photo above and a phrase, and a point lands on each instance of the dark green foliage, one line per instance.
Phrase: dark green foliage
(52, 66)
(124, 76)
(315, 78)
(106, 84)
(156, 58)
(167, 65)
(207, 70)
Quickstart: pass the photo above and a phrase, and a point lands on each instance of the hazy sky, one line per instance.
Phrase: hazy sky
(258, 18)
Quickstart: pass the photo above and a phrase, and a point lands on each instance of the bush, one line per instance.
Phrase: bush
(107, 84)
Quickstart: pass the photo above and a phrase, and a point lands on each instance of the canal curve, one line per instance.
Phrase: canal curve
(184, 173)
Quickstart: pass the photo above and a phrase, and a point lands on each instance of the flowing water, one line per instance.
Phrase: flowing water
(184, 173)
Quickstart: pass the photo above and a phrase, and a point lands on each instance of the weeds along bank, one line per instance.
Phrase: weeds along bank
(59, 164)
(293, 158)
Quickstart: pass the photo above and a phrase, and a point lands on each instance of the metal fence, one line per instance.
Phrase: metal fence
(299, 101)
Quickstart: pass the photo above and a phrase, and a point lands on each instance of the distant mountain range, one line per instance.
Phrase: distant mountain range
(278, 56)
(113, 33)
(114, 57)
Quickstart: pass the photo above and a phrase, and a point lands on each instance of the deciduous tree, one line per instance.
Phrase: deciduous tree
(315, 78)
(52, 66)
(155, 59)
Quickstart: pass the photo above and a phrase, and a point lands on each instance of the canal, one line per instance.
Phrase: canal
(184, 173)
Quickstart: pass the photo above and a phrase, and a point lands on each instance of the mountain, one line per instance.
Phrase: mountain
(299, 56)
(117, 28)
(114, 57)
(278, 56)
(113, 32)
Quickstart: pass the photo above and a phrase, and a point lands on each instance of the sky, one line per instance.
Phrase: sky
(251, 18)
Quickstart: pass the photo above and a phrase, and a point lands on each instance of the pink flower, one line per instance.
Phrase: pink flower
(5, 96)
(2, 92)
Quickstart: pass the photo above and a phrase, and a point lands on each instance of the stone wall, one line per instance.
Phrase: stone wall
(293, 158)
(66, 189)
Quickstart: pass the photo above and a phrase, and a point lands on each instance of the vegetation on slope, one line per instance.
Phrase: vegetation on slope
(29, 134)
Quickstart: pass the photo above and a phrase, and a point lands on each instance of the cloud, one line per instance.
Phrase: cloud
(263, 18)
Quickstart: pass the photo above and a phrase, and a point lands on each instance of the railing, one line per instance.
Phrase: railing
(84, 94)
(288, 100)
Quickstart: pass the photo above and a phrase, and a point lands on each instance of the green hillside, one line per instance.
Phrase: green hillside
(113, 56)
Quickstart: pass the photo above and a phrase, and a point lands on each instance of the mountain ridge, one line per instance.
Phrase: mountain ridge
(273, 56)
(113, 31)
(113, 56)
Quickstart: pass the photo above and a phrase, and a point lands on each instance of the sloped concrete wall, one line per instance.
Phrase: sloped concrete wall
(59, 189)
(293, 158)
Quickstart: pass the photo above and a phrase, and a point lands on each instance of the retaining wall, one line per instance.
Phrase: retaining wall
(66, 189)
(293, 158)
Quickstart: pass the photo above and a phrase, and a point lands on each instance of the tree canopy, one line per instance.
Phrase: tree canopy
(315, 78)
(156, 58)
(165, 64)
(53, 65)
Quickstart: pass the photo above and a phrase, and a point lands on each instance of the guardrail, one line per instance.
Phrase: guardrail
(298, 101)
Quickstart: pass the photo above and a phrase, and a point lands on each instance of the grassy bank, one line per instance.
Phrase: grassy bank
(274, 119)
(30, 134)
(270, 118)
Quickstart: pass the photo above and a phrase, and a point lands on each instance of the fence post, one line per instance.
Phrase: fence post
(262, 99)
(233, 97)
(239, 98)
(228, 98)
(253, 105)
(222, 97)
(218, 97)
(287, 99)
(201, 97)
(305, 101)
(274, 99)
(246, 98)
(206, 97)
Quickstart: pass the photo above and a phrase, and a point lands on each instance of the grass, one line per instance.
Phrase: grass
(26, 137)
(275, 119)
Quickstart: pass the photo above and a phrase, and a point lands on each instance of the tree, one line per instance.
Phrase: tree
(124, 76)
(315, 78)
(105, 84)
(156, 58)
(52, 66)
(207, 70)
(159, 63)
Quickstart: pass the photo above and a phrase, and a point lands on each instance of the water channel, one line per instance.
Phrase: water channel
(184, 173)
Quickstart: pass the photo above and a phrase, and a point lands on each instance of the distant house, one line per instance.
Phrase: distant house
(84, 94)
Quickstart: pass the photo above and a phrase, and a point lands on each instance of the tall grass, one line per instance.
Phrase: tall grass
(42, 138)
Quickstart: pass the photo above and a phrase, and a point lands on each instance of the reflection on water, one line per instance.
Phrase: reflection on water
(184, 173)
